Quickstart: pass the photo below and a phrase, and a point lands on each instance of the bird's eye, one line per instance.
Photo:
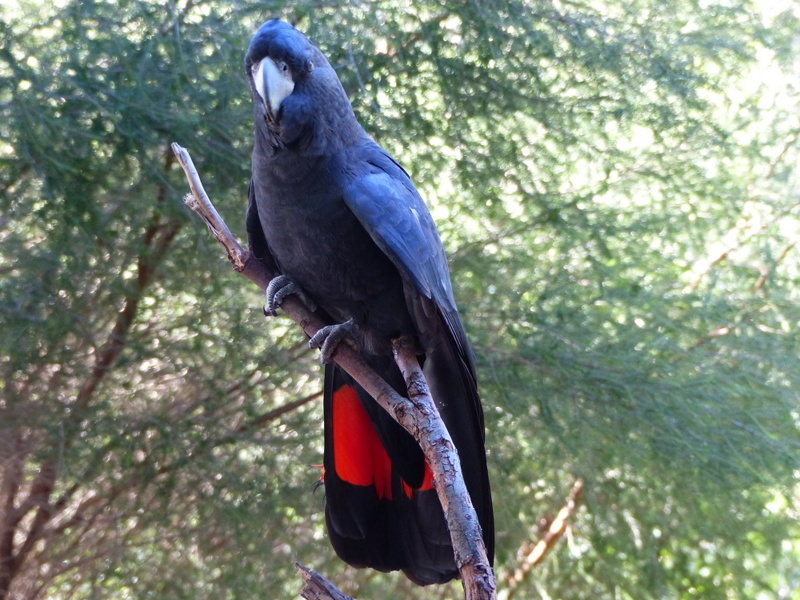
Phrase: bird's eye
(283, 67)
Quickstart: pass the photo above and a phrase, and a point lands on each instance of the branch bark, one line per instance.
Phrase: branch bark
(317, 587)
(418, 414)
(425, 424)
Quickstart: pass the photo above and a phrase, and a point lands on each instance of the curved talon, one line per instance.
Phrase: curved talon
(277, 290)
(328, 339)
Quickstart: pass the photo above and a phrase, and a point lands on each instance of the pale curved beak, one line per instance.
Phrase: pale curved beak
(272, 84)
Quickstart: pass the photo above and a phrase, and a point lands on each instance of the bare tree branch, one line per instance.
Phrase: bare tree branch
(10, 516)
(417, 415)
(317, 587)
(531, 556)
(157, 238)
(429, 430)
(765, 273)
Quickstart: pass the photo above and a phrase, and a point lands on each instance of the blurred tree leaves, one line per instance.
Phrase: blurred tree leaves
(617, 186)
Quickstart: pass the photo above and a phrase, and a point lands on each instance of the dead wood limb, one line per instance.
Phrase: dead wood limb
(417, 416)
(317, 587)
(531, 556)
(427, 427)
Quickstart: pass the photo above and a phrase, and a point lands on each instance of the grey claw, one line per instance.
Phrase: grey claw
(278, 289)
(328, 339)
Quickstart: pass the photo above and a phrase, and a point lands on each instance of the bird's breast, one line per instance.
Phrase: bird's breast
(318, 242)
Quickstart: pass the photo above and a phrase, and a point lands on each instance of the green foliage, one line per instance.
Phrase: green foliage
(616, 184)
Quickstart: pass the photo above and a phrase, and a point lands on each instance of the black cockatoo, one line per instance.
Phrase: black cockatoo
(342, 223)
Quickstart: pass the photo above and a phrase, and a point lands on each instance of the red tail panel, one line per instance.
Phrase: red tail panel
(427, 483)
(374, 517)
(359, 457)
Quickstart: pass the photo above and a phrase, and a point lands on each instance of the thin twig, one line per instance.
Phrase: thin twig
(199, 202)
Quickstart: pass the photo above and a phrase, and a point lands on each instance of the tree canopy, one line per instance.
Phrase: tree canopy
(616, 184)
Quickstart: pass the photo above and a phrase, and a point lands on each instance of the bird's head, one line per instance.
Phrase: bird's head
(279, 57)
(295, 89)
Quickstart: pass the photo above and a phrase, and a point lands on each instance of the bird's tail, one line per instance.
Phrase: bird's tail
(382, 510)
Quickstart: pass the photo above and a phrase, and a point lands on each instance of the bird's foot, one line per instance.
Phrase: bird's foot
(328, 339)
(277, 290)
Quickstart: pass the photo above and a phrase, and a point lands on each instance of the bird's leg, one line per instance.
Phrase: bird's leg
(277, 290)
(328, 338)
